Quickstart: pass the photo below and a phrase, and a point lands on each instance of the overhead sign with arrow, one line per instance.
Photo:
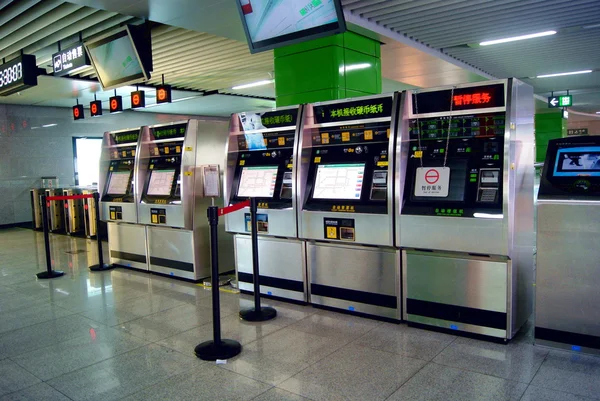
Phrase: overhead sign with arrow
(560, 101)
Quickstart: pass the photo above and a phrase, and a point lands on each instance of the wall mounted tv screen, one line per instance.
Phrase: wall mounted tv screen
(274, 23)
(122, 58)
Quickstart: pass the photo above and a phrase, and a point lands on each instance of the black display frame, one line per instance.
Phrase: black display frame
(296, 37)
(141, 42)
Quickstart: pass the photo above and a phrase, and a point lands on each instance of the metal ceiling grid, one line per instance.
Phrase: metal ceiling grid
(456, 27)
(188, 59)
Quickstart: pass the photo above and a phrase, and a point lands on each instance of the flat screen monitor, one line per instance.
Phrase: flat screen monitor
(121, 58)
(119, 182)
(579, 161)
(258, 182)
(339, 181)
(161, 182)
(274, 23)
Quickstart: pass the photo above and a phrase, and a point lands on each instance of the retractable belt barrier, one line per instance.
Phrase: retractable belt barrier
(219, 348)
(50, 273)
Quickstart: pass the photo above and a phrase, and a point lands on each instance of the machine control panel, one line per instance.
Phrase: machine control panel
(121, 163)
(264, 162)
(456, 165)
(572, 168)
(115, 212)
(339, 229)
(158, 216)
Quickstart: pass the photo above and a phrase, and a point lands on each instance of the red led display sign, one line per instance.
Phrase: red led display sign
(138, 99)
(78, 112)
(471, 98)
(96, 108)
(163, 94)
(116, 104)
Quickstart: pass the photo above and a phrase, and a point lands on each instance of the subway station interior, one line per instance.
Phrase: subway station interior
(300, 200)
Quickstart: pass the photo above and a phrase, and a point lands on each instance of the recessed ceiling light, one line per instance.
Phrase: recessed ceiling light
(253, 84)
(560, 74)
(515, 38)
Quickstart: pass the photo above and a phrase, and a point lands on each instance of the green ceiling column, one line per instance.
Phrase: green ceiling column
(314, 71)
(548, 126)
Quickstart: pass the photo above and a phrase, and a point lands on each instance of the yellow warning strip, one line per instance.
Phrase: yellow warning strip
(222, 289)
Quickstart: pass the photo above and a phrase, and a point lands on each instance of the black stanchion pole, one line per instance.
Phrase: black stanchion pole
(49, 273)
(217, 348)
(100, 266)
(258, 313)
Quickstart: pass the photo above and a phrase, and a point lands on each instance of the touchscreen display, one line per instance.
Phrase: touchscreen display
(119, 182)
(339, 181)
(581, 161)
(161, 182)
(258, 182)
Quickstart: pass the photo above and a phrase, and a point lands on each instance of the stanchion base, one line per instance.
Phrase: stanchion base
(210, 351)
(252, 315)
(101, 268)
(51, 274)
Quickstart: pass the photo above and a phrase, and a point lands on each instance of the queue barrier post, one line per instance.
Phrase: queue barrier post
(49, 273)
(258, 313)
(101, 266)
(217, 348)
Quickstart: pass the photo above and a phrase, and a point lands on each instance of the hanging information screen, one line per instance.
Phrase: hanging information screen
(339, 181)
(161, 182)
(258, 182)
(119, 181)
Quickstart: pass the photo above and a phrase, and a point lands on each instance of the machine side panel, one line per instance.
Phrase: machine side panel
(127, 245)
(567, 285)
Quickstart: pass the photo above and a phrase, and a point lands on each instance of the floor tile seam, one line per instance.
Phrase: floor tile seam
(485, 374)
(63, 341)
(407, 380)
(524, 392)
(37, 384)
(141, 317)
(34, 324)
(269, 389)
(26, 370)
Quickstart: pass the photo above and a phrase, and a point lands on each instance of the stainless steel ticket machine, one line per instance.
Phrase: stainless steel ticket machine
(177, 161)
(118, 195)
(568, 268)
(261, 164)
(465, 211)
(346, 205)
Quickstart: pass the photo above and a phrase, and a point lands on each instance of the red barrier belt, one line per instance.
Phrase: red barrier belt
(233, 208)
(59, 198)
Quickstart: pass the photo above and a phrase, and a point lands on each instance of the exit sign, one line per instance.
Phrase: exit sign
(560, 101)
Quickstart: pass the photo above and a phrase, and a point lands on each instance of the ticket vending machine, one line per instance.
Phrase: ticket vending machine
(465, 212)
(118, 194)
(178, 162)
(346, 216)
(260, 164)
(568, 272)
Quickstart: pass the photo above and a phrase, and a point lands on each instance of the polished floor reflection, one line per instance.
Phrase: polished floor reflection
(128, 335)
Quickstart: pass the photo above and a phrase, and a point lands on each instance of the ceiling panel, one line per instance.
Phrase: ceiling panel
(456, 27)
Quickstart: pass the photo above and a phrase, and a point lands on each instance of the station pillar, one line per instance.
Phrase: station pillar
(336, 67)
(548, 126)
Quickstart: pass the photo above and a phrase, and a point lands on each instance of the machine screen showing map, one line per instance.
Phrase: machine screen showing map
(573, 162)
(267, 19)
(119, 182)
(339, 181)
(258, 182)
(161, 182)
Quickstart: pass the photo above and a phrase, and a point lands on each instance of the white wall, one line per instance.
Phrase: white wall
(27, 154)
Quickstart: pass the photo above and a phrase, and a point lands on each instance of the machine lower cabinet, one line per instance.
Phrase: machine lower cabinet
(458, 292)
(568, 276)
(127, 245)
(282, 269)
(355, 278)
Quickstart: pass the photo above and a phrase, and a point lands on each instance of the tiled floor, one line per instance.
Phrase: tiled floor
(128, 335)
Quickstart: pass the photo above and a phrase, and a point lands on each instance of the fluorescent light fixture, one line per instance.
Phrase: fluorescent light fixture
(598, 112)
(488, 216)
(253, 84)
(49, 125)
(560, 74)
(515, 38)
(353, 67)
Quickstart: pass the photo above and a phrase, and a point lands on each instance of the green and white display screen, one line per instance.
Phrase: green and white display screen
(273, 23)
(258, 182)
(339, 181)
